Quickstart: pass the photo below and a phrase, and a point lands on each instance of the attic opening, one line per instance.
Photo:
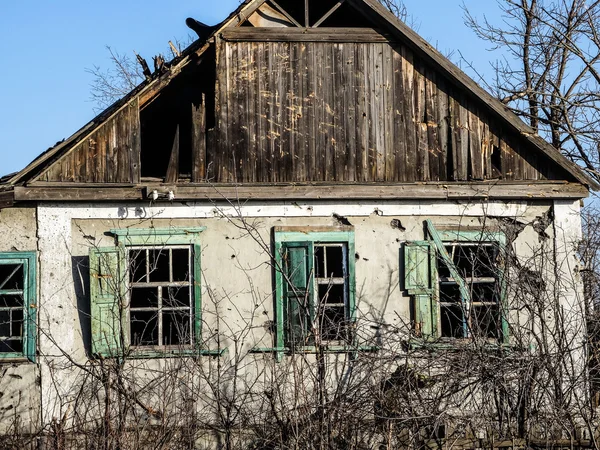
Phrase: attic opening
(309, 13)
(174, 125)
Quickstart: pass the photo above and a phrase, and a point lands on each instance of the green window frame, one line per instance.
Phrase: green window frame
(308, 300)
(18, 305)
(113, 309)
(431, 272)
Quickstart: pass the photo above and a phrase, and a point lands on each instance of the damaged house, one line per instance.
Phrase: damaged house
(310, 229)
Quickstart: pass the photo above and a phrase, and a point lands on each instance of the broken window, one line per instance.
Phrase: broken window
(17, 305)
(161, 307)
(455, 280)
(479, 314)
(315, 283)
(145, 292)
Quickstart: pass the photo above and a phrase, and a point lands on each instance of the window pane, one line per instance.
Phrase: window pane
(335, 262)
(144, 328)
(144, 297)
(17, 323)
(320, 261)
(333, 293)
(443, 270)
(485, 292)
(11, 276)
(177, 297)
(137, 269)
(11, 346)
(465, 259)
(176, 328)
(449, 293)
(5, 324)
(11, 301)
(487, 258)
(181, 264)
(159, 265)
(452, 321)
(486, 321)
(333, 323)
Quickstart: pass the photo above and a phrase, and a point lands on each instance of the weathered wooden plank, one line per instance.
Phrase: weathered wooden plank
(7, 199)
(507, 160)
(218, 150)
(475, 147)
(388, 113)
(391, 191)
(241, 155)
(460, 151)
(280, 80)
(443, 127)
(432, 122)
(173, 168)
(135, 143)
(421, 126)
(101, 137)
(363, 114)
(322, 34)
(110, 136)
(373, 110)
(198, 140)
(310, 103)
(328, 123)
(121, 148)
(259, 111)
(319, 119)
(271, 96)
(340, 110)
(410, 164)
(234, 131)
(82, 157)
(252, 104)
(399, 119)
(295, 99)
(486, 148)
(350, 105)
(286, 96)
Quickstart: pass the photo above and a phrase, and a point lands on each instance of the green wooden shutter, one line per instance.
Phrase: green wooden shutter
(298, 267)
(107, 291)
(418, 281)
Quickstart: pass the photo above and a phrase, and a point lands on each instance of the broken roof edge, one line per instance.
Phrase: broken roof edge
(494, 104)
(56, 151)
(242, 12)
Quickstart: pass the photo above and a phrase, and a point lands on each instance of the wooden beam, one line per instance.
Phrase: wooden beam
(68, 194)
(358, 35)
(277, 192)
(285, 13)
(173, 169)
(198, 140)
(329, 13)
(7, 199)
(306, 14)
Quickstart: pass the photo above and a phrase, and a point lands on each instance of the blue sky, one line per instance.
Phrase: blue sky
(47, 46)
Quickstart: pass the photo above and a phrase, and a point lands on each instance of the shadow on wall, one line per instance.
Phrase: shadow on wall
(81, 281)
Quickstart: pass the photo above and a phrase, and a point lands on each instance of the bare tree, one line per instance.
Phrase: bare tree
(397, 7)
(549, 70)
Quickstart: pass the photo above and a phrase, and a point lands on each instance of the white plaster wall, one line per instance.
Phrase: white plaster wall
(19, 381)
(237, 282)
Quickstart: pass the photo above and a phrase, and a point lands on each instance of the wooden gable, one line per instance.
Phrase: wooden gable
(307, 92)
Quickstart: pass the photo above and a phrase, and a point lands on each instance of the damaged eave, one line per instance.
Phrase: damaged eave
(314, 191)
(146, 91)
(7, 198)
(500, 110)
